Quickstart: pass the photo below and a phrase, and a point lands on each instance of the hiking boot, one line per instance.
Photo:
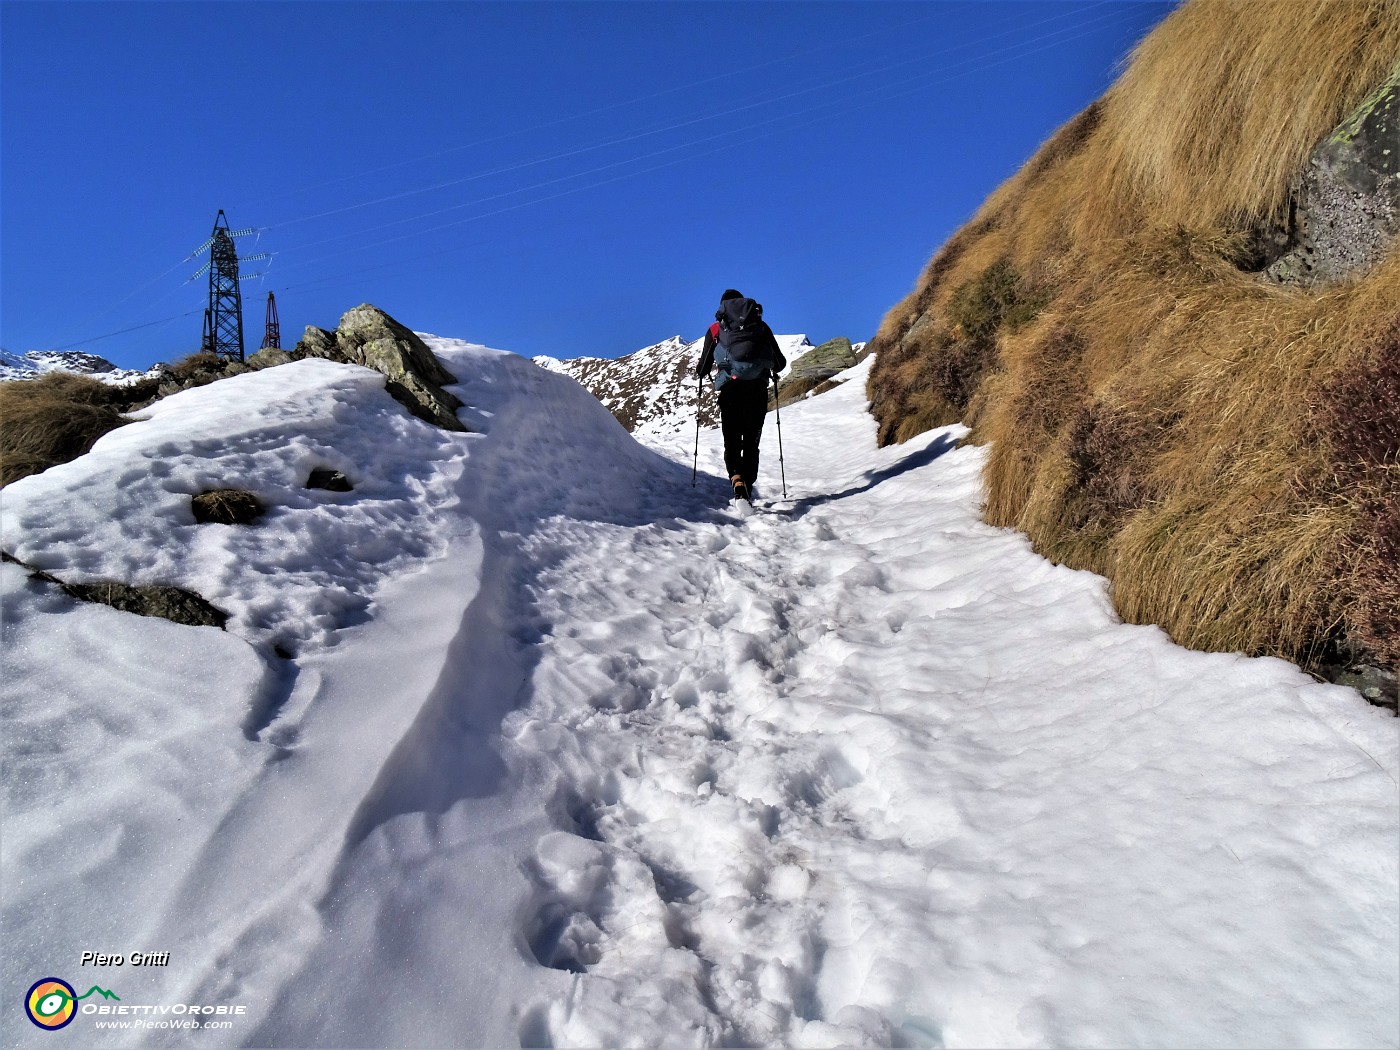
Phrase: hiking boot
(741, 491)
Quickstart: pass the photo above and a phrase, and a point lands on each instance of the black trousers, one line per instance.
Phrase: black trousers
(743, 406)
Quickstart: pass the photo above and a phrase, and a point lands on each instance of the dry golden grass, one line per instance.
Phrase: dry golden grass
(58, 416)
(1158, 420)
(1223, 102)
(51, 420)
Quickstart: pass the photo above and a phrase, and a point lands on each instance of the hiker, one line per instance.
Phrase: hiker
(742, 349)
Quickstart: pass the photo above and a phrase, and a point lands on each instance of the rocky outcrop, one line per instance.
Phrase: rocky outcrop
(366, 336)
(1344, 207)
(370, 337)
(268, 357)
(815, 367)
(56, 415)
(329, 480)
(169, 603)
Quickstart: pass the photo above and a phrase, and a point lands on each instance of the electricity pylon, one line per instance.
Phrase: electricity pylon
(272, 332)
(223, 318)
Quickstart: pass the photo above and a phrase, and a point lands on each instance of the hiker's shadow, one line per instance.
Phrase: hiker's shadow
(920, 458)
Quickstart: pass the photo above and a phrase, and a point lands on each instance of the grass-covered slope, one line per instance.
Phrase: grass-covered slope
(1223, 448)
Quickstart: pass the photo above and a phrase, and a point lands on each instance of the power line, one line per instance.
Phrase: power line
(645, 171)
(873, 96)
(763, 101)
(728, 74)
(125, 331)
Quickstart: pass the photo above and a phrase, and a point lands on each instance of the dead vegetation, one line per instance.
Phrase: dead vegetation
(52, 419)
(1223, 450)
(169, 603)
(227, 507)
(1358, 415)
(57, 417)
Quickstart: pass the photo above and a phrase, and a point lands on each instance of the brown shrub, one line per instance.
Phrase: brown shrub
(1052, 387)
(955, 369)
(57, 416)
(926, 411)
(930, 375)
(948, 257)
(1110, 449)
(1358, 414)
(1042, 391)
(1359, 409)
(996, 298)
(1374, 620)
(50, 420)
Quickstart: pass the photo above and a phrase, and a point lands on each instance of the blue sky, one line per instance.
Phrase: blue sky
(562, 178)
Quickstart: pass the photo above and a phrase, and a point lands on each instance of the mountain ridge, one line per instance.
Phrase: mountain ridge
(653, 391)
(34, 363)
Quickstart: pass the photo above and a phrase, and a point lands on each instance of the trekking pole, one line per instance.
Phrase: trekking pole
(695, 466)
(777, 409)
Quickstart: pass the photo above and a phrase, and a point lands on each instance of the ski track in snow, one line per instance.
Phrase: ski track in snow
(848, 768)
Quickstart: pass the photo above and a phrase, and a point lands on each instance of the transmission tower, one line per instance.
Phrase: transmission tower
(223, 318)
(272, 337)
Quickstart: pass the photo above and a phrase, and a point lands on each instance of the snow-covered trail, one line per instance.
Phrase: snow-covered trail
(577, 756)
(854, 768)
(862, 769)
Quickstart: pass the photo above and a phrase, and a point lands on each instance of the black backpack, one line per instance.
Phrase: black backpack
(742, 333)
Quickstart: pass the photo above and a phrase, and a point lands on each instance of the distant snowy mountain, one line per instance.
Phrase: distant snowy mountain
(652, 391)
(38, 362)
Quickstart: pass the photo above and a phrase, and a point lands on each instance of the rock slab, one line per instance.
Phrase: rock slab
(816, 366)
(370, 337)
(1345, 204)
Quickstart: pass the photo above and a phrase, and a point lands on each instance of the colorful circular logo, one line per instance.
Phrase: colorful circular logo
(51, 1003)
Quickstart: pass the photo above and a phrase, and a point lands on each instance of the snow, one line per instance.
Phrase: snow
(38, 362)
(657, 385)
(567, 752)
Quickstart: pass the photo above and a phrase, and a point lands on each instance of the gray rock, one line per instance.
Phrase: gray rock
(330, 480)
(368, 336)
(1345, 204)
(1376, 684)
(815, 367)
(268, 358)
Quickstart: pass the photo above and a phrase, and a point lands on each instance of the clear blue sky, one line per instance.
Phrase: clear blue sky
(562, 178)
